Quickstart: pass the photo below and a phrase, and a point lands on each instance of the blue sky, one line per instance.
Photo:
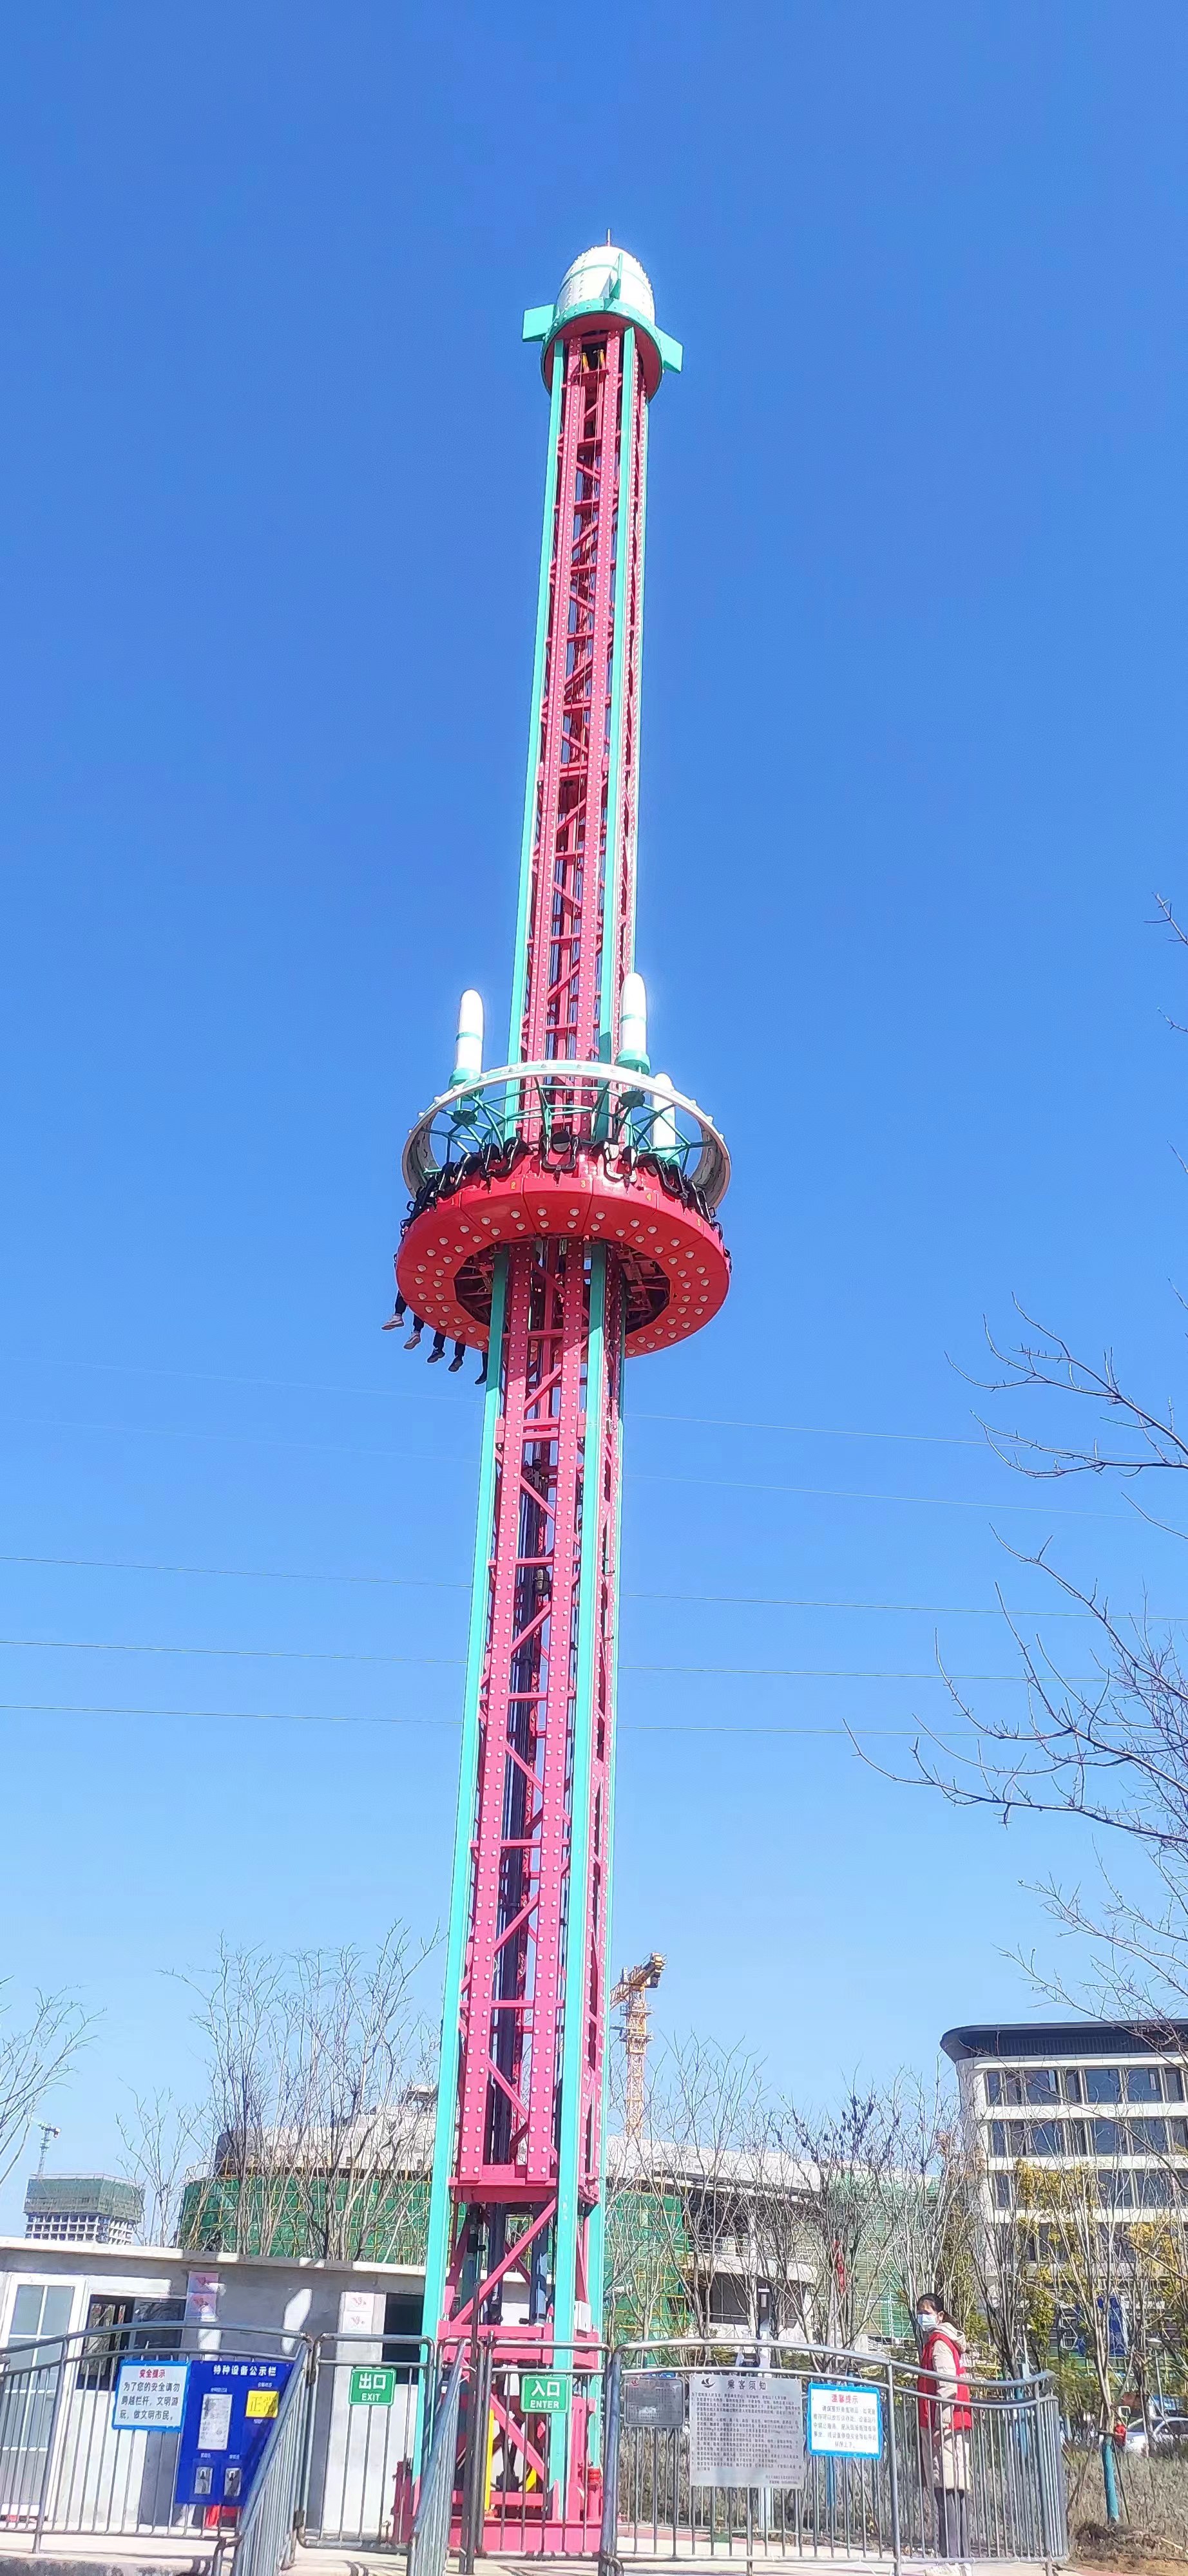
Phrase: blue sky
(913, 769)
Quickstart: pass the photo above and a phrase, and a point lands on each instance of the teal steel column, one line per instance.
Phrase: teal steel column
(528, 835)
(577, 1927)
(440, 2205)
(644, 420)
(614, 783)
(596, 2232)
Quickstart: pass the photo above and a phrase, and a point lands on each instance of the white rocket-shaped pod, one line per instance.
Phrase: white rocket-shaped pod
(633, 1025)
(468, 1051)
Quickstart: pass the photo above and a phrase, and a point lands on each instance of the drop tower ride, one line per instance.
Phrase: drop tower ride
(563, 1218)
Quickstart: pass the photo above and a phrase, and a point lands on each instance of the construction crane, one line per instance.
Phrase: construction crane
(632, 1989)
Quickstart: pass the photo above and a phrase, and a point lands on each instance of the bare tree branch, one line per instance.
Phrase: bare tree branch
(319, 2096)
(33, 2059)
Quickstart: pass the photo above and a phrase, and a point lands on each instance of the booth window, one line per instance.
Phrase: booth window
(119, 2326)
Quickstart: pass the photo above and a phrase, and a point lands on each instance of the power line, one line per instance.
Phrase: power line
(634, 1476)
(413, 1395)
(256, 1654)
(440, 1583)
(337, 1655)
(319, 1717)
(246, 1573)
(855, 1494)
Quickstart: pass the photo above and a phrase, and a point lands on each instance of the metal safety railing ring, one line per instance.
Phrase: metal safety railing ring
(560, 1108)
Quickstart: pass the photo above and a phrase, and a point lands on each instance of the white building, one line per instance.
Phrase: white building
(1071, 2092)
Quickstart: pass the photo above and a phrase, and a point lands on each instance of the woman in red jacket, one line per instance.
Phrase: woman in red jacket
(946, 2419)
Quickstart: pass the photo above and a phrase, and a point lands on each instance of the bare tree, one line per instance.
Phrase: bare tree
(1108, 1748)
(162, 2138)
(1079, 2259)
(680, 2214)
(933, 2211)
(320, 2098)
(998, 2244)
(848, 2157)
(34, 2057)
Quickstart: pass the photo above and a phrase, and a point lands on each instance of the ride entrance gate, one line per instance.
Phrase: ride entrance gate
(769, 2454)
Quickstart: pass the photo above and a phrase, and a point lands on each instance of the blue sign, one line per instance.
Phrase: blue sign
(845, 2420)
(230, 2410)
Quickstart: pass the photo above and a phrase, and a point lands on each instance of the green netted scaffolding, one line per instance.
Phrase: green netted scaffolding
(298, 2216)
(657, 2276)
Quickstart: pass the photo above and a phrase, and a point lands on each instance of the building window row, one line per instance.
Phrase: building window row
(1014, 2088)
(1119, 2190)
(1088, 2137)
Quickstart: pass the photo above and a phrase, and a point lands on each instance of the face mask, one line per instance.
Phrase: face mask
(925, 2322)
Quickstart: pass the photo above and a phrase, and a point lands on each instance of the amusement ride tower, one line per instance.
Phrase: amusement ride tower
(563, 1218)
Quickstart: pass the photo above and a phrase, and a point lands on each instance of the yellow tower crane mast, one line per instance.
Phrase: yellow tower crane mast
(632, 1990)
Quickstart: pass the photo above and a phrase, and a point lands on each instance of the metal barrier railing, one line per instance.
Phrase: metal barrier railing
(65, 2467)
(503, 2474)
(266, 2537)
(430, 2540)
(534, 2482)
(358, 2484)
(991, 2491)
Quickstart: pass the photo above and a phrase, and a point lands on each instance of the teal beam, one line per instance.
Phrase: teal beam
(643, 531)
(615, 853)
(573, 2037)
(528, 835)
(440, 2205)
(596, 2235)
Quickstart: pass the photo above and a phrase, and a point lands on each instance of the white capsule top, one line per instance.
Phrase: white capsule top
(468, 1052)
(593, 278)
(633, 1023)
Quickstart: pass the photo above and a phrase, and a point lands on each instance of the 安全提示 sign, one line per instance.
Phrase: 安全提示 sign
(150, 2396)
(845, 2423)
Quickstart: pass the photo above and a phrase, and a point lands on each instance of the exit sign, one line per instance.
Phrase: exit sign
(373, 2387)
(544, 2392)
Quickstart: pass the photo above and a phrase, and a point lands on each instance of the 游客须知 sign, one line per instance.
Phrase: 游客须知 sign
(746, 2428)
(845, 2423)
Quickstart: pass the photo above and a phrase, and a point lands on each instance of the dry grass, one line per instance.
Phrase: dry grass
(1153, 2532)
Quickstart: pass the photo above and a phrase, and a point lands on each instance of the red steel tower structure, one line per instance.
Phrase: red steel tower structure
(562, 1219)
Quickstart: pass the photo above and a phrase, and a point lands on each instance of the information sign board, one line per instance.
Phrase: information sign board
(746, 2428)
(653, 2401)
(544, 2392)
(373, 2384)
(230, 2410)
(845, 2423)
(150, 2396)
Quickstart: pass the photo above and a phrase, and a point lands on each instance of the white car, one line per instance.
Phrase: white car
(1168, 2433)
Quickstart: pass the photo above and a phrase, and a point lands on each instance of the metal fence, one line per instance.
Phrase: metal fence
(65, 2469)
(430, 2541)
(935, 2490)
(266, 2537)
(608, 2474)
(366, 2396)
